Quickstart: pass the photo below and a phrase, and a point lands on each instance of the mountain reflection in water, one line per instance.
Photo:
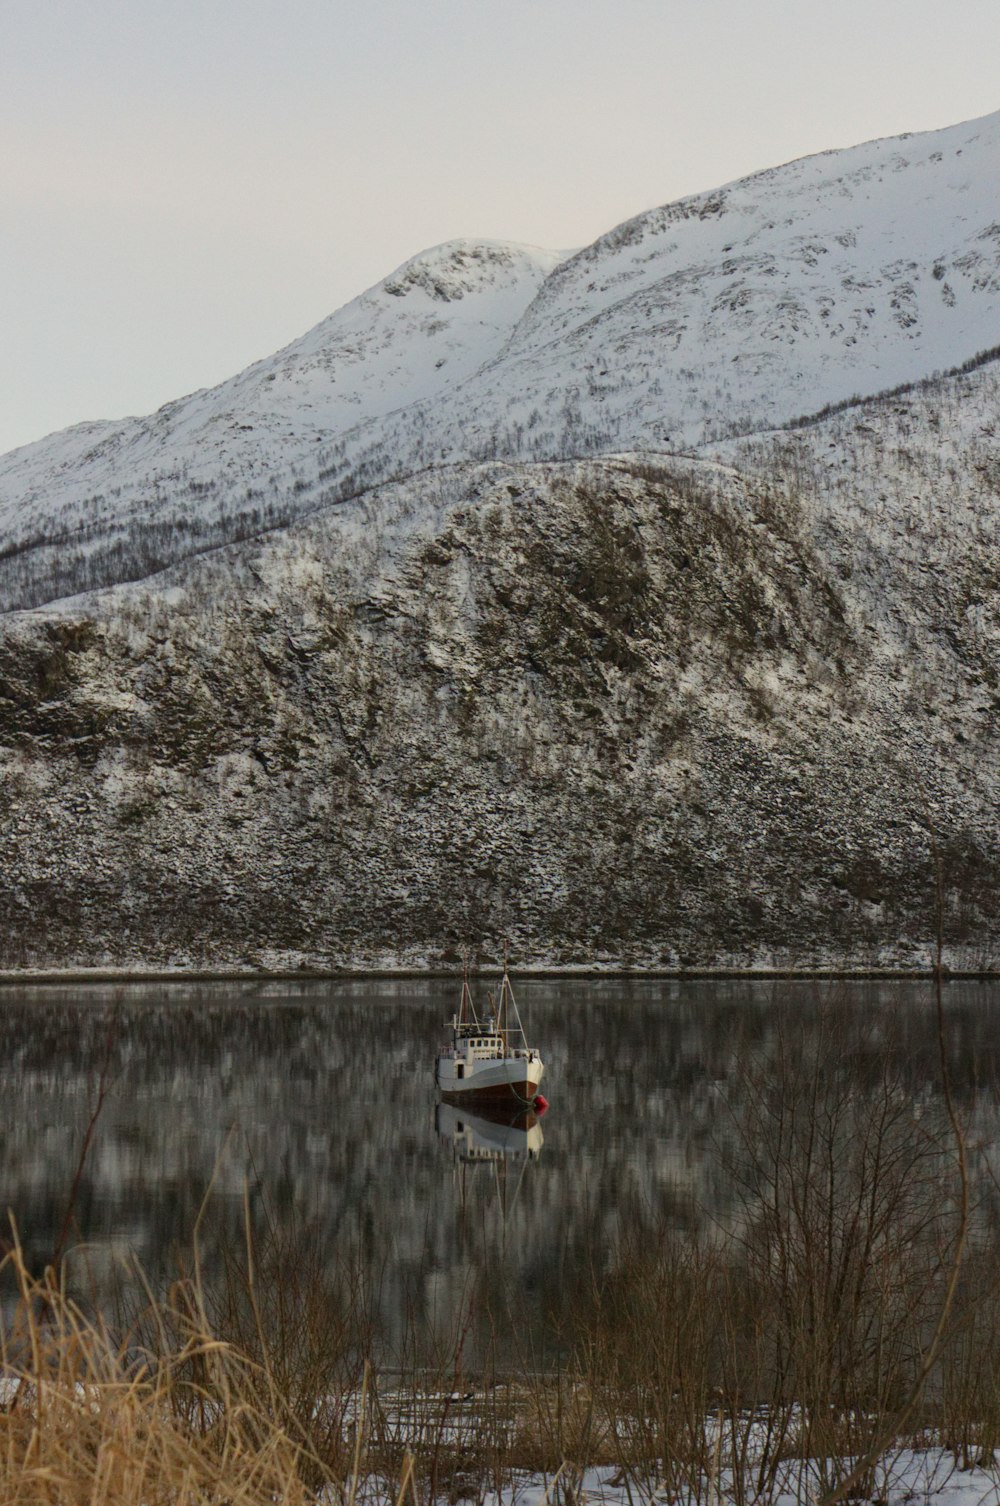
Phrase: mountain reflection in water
(319, 1099)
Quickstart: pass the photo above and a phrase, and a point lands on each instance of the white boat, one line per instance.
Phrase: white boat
(489, 1059)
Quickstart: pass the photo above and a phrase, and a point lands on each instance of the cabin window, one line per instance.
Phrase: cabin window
(461, 1069)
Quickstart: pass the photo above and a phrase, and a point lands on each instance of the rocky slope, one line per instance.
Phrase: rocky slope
(677, 710)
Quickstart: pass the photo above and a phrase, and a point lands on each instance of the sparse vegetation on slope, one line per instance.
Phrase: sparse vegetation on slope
(644, 710)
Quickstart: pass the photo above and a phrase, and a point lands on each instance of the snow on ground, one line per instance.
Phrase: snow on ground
(902, 1478)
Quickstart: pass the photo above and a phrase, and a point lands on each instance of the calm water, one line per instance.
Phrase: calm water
(317, 1102)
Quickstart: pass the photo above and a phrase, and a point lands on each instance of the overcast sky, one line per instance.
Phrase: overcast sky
(186, 185)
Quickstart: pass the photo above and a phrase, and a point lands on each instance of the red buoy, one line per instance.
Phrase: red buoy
(541, 1103)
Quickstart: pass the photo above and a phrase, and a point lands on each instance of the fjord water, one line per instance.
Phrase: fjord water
(312, 1105)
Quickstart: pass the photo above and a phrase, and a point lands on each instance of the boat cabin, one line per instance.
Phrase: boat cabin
(478, 1042)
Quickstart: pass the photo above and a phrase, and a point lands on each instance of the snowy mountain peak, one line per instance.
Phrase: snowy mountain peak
(456, 268)
(726, 312)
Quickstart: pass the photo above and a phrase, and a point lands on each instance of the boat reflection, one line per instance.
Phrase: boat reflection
(490, 1134)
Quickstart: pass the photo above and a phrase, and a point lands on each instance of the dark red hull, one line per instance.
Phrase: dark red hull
(517, 1094)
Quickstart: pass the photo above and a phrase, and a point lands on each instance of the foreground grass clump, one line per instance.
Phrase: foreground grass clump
(90, 1419)
(257, 1389)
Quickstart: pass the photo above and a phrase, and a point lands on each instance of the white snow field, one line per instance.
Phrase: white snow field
(904, 1477)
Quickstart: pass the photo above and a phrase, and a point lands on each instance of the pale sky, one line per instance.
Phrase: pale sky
(186, 185)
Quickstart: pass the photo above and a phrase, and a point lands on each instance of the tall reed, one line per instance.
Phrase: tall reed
(92, 1418)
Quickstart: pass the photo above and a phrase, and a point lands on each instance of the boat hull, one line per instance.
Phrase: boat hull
(510, 1082)
(515, 1093)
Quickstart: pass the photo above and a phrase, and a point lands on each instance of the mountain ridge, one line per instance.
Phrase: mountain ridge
(672, 330)
(526, 657)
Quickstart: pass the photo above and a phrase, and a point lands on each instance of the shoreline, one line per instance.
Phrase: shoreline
(126, 976)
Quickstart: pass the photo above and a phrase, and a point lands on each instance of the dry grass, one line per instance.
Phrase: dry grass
(685, 1373)
(89, 1419)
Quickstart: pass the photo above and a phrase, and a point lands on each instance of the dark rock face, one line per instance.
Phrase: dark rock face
(628, 711)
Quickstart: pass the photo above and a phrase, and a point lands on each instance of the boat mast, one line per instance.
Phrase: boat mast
(508, 1004)
(467, 1009)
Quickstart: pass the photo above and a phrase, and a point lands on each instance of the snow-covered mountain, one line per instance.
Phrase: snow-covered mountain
(639, 604)
(107, 501)
(835, 275)
(732, 311)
